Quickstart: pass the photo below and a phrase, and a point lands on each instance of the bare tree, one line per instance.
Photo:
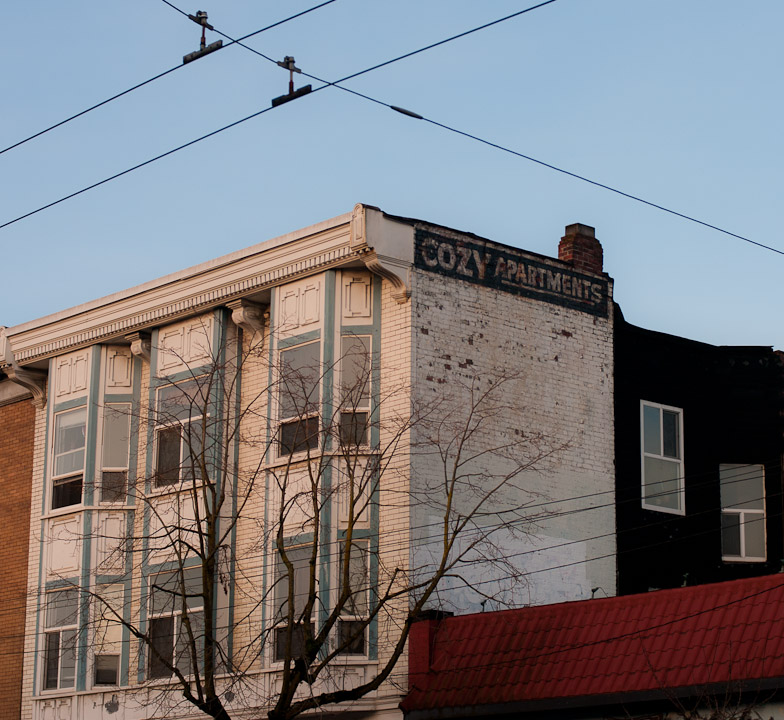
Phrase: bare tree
(258, 577)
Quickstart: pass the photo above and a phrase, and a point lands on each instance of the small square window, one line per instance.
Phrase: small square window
(107, 669)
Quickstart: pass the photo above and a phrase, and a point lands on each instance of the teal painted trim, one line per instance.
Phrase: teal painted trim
(325, 555)
(148, 458)
(357, 534)
(62, 583)
(70, 404)
(220, 338)
(110, 579)
(119, 397)
(84, 606)
(130, 523)
(373, 539)
(42, 534)
(300, 339)
(328, 360)
(191, 372)
(172, 565)
(295, 540)
(357, 329)
(239, 366)
(141, 655)
(125, 655)
(91, 445)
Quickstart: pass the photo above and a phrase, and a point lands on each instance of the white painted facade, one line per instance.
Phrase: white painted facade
(431, 337)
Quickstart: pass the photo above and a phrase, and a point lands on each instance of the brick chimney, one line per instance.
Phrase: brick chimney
(580, 247)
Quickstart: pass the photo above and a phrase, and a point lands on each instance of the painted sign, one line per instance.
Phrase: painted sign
(504, 268)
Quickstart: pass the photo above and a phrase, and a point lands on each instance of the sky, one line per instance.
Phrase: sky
(676, 102)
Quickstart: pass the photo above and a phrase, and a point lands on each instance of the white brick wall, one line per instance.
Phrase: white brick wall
(558, 394)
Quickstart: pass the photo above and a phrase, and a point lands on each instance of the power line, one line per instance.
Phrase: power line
(489, 143)
(260, 112)
(158, 76)
(415, 115)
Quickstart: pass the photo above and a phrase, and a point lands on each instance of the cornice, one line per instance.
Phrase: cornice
(184, 296)
(361, 237)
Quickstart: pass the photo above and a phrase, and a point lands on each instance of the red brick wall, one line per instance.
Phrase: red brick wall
(17, 422)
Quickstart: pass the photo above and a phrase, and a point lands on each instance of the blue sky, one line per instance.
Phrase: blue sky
(677, 102)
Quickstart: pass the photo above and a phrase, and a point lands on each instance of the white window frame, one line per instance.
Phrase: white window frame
(302, 419)
(109, 600)
(362, 406)
(125, 410)
(71, 476)
(280, 611)
(164, 423)
(746, 515)
(681, 492)
(346, 616)
(175, 613)
(60, 630)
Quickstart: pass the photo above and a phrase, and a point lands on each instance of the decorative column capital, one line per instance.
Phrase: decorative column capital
(140, 344)
(248, 315)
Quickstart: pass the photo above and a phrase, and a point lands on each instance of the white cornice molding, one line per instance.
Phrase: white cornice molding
(365, 236)
(180, 298)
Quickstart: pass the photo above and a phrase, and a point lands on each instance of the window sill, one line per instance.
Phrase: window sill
(658, 508)
(735, 559)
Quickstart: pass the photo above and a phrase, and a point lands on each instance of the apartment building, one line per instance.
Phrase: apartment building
(250, 476)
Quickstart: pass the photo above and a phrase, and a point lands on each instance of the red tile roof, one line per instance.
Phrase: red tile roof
(697, 636)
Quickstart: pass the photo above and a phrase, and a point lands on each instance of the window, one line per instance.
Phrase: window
(178, 437)
(662, 458)
(298, 399)
(170, 642)
(114, 455)
(61, 618)
(299, 557)
(68, 464)
(107, 642)
(351, 626)
(742, 512)
(354, 390)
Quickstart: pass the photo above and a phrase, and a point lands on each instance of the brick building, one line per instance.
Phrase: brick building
(16, 469)
(332, 403)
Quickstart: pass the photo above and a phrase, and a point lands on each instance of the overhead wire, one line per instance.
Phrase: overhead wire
(262, 111)
(444, 126)
(390, 547)
(159, 75)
